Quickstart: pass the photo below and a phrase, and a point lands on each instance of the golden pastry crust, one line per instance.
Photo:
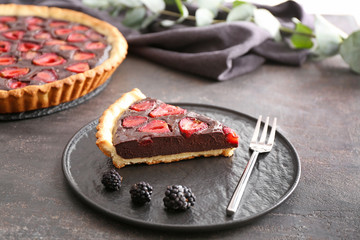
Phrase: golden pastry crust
(70, 88)
(107, 127)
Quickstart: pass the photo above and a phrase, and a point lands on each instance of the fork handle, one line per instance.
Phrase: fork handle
(240, 188)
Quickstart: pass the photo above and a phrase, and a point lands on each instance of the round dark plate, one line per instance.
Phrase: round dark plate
(212, 180)
(54, 109)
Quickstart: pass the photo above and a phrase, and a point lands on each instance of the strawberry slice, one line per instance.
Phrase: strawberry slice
(7, 19)
(13, 84)
(29, 55)
(188, 126)
(3, 27)
(27, 46)
(43, 35)
(49, 59)
(33, 27)
(231, 136)
(63, 31)
(155, 126)
(165, 110)
(56, 24)
(7, 60)
(95, 45)
(83, 55)
(14, 35)
(94, 35)
(142, 106)
(78, 67)
(13, 72)
(133, 121)
(68, 47)
(77, 37)
(34, 20)
(47, 75)
(4, 46)
(55, 42)
(80, 28)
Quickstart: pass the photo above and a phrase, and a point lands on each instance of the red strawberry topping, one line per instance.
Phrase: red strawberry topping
(68, 47)
(7, 19)
(34, 20)
(95, 45)
(76, 37)
(55, 24)
(7, 60)
(17, 84)
(32, 27)
(47, 75)
(155, 126)
(43, 35)
(27, 46)
(55, 42)
(78, 67)
(14, 35)
(231, 136)
(29, 55)
(83, 55)
(142, 106)
(133, 121)
(4, 46)
(188, 126)
(49, 59)
(3, 27)
(80, 28)
(63, 31)
(13, 72)
(165, 110)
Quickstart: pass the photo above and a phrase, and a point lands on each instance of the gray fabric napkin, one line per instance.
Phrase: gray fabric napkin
(220, 51)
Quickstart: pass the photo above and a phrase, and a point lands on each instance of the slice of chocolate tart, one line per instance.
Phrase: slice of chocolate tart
(138, 129)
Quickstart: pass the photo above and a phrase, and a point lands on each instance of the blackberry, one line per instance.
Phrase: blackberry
(141, 193)
(111, 180)
(178, 198)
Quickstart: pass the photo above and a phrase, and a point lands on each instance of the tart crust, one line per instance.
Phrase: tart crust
(70, 88)
(107, 127)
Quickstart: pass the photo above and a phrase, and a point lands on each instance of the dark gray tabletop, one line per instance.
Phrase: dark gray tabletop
(318, 110)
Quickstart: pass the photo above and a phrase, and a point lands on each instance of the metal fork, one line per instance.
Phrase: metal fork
(258, 147)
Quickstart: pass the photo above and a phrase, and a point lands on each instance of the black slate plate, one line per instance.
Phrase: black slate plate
(212, 180)
(50, 110)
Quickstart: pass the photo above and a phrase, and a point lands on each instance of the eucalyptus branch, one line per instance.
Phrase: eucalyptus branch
(292, 31)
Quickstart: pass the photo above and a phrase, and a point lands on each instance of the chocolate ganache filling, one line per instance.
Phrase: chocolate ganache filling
(35, 50)
(151, 127)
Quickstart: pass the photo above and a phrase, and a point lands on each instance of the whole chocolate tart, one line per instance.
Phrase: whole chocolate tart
(139, 129)
(50, 55)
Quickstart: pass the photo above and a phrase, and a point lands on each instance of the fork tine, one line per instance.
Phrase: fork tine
(256, 131)
(272, 133)
(264, 132)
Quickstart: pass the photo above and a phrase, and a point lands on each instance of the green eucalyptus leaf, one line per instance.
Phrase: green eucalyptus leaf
(203, 17)
(328, 39)
(127, 3)
(238, 3)
(134, 17)
(154, 6)
(167, 23)
(264, 19)
(350, 51)
(212, 5)
(242, 12)
(302, 38)
(148, 20)
(96, 4)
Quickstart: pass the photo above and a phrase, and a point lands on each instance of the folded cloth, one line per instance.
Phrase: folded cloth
(221, 51)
